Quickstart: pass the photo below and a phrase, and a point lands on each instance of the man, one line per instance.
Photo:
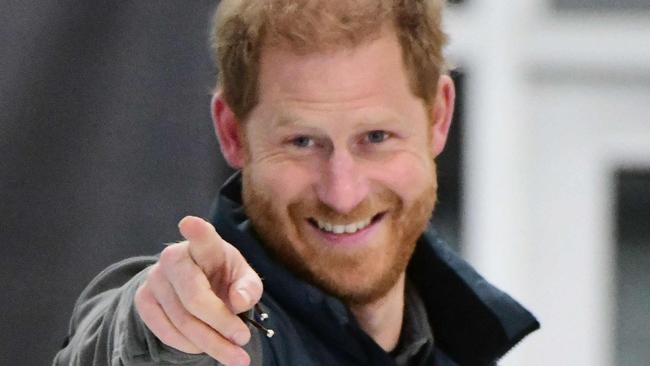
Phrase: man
(334, 112)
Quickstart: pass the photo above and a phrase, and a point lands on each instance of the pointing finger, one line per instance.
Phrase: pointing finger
(238, 284)
(207, 249)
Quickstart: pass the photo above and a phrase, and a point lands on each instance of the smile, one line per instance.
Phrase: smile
(349, 228)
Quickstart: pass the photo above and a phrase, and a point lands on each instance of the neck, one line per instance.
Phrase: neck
(382, 319)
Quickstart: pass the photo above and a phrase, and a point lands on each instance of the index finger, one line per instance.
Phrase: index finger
(236, 282)
(206, 248)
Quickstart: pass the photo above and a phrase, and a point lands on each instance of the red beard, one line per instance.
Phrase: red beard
(359, 276)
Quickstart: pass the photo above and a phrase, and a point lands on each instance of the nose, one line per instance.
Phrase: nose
(343, 185)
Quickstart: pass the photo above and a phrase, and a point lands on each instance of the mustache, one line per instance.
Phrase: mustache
(368, 208)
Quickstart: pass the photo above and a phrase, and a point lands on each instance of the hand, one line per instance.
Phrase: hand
(192, 295)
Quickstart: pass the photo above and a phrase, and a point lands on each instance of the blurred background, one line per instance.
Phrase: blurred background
(106, 142)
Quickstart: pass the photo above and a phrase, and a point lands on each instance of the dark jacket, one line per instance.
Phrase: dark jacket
(473, 322)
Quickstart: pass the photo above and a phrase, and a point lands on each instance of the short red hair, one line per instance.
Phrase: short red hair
(242, 28)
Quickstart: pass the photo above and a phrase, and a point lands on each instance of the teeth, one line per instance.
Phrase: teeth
(340, 229)
(362, 224)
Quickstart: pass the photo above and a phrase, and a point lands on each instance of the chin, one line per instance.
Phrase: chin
(362, 278)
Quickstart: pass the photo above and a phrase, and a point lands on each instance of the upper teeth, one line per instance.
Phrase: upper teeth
(340, 229)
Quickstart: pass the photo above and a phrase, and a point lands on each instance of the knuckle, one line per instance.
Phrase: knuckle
(142, 296)
(154, 281)
(185, 323)
(172, 254)
(193, 305)
(153, 274)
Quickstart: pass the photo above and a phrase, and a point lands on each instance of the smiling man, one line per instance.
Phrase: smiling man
(334, 113)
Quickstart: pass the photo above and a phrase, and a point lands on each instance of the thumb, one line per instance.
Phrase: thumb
(246, 290)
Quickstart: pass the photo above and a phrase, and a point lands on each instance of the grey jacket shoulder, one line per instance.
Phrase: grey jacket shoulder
(106, 329)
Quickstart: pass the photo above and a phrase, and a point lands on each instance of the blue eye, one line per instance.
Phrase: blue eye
(377, 136)
(302, 141)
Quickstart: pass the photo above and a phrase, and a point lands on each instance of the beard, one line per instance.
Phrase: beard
(357, 276)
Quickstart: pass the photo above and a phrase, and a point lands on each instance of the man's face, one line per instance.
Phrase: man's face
(339, 178)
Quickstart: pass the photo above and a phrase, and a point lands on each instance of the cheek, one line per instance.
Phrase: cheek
(407, 174)
(282, 183)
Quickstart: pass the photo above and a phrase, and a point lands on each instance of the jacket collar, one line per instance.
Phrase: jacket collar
(473, 322)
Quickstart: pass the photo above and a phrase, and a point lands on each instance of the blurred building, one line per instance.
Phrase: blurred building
(556, 160)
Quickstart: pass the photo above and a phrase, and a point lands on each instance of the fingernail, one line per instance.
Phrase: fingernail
(245, 295)
(241, 338)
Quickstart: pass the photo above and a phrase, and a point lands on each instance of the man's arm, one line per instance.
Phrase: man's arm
(105, 328)
(145, 311)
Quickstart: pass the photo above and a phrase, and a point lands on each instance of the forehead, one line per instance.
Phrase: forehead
(347, 74)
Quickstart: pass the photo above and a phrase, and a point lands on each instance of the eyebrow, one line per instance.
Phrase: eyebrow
(285, 120)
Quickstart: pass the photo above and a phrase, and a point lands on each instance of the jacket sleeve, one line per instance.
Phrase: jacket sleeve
(106, 329)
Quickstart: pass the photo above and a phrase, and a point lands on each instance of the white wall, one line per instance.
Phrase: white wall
(555, 104)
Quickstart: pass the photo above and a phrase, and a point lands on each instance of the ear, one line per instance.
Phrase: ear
(442, 113)
(228, 130)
